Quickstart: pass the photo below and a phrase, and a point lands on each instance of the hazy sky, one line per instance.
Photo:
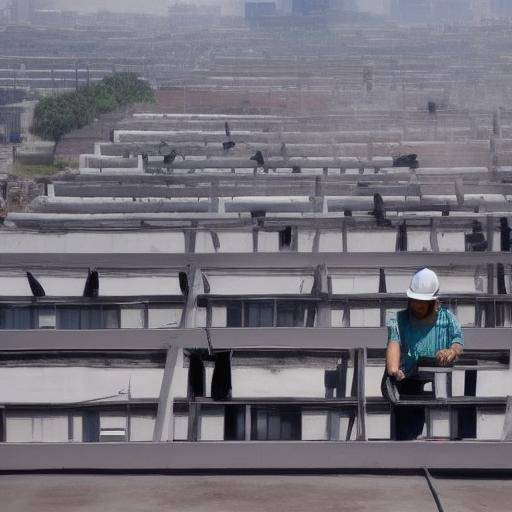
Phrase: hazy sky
(150, 6)
(160, 6)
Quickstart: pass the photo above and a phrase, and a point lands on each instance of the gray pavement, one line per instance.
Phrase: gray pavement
(475, 495)
(73, 493)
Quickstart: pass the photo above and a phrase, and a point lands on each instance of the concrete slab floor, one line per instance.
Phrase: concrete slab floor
(141, 493)
(474, 495)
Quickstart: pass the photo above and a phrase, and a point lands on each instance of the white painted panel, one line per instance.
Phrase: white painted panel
(305, 240)
(463, 284)
(261, 382)
(466, 315)
(440, 423)
(132, 317)
(70, 384)
(58, 286)
(314, 426)
(418, 241)
(450, 241)
(364, 317)
(99, 242)
(37, 428)
(489, 425)
(180, 427)
(163, 317)
(212, 427)
(259, 283)
(397, 283)
(373, 378)
(141, 428)
(268, 241)
(140, 285)
(14, 286)
(77, 429)
(331, 241)
(47, 318)
(494, 382)
(378, 426)
(112, 421)
(367, 241)
(22, 429)
(235, 242)
(337, 318)
(55, 429)
(458, 379)
(219, 316)
(368, 283)
(204, 243)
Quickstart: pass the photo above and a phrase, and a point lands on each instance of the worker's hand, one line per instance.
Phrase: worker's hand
(446, 356)
(397, 374)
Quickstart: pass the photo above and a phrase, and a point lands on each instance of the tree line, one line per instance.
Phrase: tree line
(55, 116)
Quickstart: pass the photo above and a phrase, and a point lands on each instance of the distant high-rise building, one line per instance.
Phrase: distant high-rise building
(501, 7)
(428, 11)
(22, 11)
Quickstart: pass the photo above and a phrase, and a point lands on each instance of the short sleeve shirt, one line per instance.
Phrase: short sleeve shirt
(419, 340)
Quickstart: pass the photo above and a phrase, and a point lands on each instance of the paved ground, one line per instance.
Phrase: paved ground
(73, 493)
(475, 495)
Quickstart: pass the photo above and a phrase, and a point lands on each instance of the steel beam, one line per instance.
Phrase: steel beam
(314, 338)
(284, 260)
(239, 456)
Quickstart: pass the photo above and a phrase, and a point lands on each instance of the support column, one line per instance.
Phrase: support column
(164, 424)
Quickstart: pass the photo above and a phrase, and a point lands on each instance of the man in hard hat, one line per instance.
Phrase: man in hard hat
(424, 329)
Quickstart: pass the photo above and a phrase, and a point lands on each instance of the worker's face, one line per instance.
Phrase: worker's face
(421, 308)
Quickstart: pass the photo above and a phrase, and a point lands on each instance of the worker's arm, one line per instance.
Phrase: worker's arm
(449, 355)
(393, 360)
(456, 343)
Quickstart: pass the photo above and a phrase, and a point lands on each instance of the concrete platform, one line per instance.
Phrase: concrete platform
(77, 493)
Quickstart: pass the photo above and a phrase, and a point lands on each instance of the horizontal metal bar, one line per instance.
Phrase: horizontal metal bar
(396, 297)
(288, 455)
(278, 260)
(88, 301)
(229, 337)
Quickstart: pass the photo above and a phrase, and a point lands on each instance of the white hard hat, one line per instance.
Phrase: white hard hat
(424, 285)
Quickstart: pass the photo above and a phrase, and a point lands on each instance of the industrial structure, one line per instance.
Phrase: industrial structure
(208, 290)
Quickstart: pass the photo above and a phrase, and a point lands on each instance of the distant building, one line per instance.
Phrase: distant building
(501, 7)
(427, 11)
(311, 7)
(54, 18)
(255, 10)
(22, 11)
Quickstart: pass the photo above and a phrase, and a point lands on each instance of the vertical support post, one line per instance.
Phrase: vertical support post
(434, 244)
(361, 393)
(194, 421)
(321, 289)
(344, 236)
(164, 424)
(70, 426)
(248, 409)
(3, 429)
(358, 391)
(507, 424)
(490, 224)
(196, 286)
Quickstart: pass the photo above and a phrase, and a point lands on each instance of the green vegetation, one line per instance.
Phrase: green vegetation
(40, 171)
(34, 171)
(55, 116)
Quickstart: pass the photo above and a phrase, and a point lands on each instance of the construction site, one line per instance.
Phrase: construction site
(195, 290)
